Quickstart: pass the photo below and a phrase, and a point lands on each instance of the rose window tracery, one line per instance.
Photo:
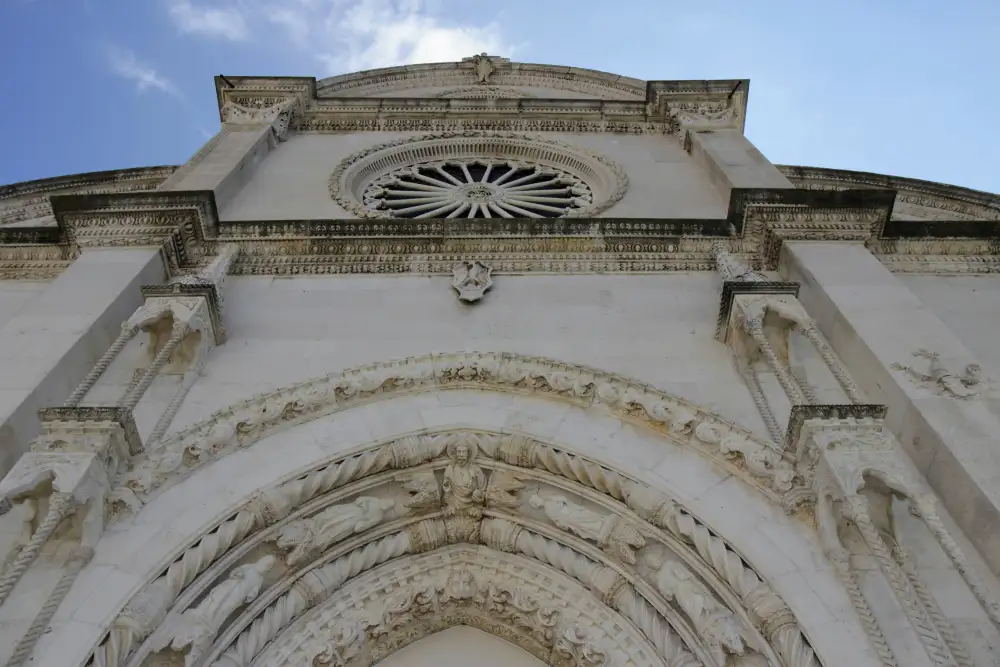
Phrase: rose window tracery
(478, 188)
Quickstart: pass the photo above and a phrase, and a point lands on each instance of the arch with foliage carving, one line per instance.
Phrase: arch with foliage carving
(194, 533)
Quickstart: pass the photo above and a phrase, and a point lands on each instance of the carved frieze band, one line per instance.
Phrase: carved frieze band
(759, 462)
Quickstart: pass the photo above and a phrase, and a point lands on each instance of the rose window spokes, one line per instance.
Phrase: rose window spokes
(477, 189)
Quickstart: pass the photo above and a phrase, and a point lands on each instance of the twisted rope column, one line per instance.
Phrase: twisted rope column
(760, 400)
(857, 510)
(60, 505)
(944, 626)
(755, 327)
(841, 561)
(310, 590)
(131, 398)
(127, 333)
(925, 508)
(48, 610)
(811, 332)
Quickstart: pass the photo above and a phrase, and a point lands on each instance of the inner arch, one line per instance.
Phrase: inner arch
(461, 645)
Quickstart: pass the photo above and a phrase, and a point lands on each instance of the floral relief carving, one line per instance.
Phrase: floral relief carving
(248, 421)
(454, 453)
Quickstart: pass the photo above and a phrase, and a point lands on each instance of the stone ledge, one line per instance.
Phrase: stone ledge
(802, 413)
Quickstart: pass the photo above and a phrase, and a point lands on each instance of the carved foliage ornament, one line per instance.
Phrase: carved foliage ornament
(464, 500)
(248, 421)
(525, 176)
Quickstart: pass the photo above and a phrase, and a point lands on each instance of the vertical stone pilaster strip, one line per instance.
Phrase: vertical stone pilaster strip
(127, 333)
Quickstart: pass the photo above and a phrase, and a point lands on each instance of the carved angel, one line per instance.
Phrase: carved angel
(608, 531)
(715, 623)
(318, 532)
(198, 626)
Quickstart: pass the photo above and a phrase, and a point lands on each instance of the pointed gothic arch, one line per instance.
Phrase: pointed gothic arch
(213, 530)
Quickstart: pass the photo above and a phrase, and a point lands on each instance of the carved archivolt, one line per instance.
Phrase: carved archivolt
(610, 571)
(605, 181)
(757, 461)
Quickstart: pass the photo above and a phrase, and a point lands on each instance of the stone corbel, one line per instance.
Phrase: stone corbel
(66, 475)
(278, 114)
(691, 116)
(845, 453)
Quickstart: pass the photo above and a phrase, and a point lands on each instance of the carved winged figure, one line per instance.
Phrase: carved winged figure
(970, 383)
(318, 532)
(198, 626)
(716, 624)
(608, 531)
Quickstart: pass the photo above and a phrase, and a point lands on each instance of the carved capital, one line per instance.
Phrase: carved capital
(837, 454)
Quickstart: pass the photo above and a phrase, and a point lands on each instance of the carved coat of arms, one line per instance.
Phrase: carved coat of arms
(472, 280)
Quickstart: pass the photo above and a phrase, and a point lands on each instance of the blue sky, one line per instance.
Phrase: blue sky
(904, 87)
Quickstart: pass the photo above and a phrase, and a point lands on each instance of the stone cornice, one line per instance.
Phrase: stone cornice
(961, 203)
(91, 179)
(629, 105)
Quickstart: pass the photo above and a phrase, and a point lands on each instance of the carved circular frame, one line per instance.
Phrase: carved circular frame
(607, 179)
(620, 585)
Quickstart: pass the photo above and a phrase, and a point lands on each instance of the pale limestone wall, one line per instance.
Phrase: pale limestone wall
(969, 306)
(291, 182)
(15, 294)
(657, 329)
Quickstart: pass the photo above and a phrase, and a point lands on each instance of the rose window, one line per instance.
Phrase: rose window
(477, 189)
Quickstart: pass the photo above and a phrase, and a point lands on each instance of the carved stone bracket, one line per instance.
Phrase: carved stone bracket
(278, 115)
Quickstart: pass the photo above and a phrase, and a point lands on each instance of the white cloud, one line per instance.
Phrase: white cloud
(222, 22)
(342, 35)
(381, 33)
(124, 63)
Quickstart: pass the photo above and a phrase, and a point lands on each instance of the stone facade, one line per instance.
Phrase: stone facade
(500, 362)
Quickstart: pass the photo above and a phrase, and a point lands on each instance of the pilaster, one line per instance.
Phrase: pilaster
(254, 121)
(51, 344)
(945, 414)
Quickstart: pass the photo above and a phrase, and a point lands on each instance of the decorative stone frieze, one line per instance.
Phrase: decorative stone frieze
(277, 114)
(251, 420)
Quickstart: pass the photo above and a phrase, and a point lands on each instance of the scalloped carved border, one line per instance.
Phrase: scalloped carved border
(606, 178)
(757, 461)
